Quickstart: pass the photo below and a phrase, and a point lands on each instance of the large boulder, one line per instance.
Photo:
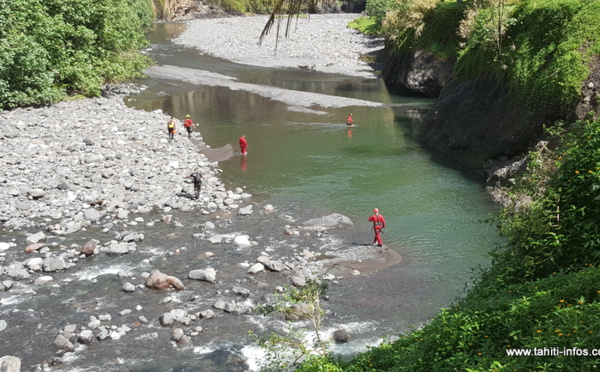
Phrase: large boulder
(331, 221)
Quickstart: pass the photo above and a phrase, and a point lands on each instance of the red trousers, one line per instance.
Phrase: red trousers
(377, 238)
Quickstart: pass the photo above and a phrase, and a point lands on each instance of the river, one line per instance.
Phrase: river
(308, 162)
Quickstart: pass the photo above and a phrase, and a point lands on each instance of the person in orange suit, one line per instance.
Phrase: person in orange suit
(378, 225)
(243, 144)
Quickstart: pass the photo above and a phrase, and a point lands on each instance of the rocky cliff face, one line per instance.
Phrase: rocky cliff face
(475, 123)
(420, 73)
(169, 10)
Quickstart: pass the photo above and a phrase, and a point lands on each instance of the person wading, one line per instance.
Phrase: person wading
(197, 179)
(349, 121)
(243, 145)
(189, 125)
(378, 224)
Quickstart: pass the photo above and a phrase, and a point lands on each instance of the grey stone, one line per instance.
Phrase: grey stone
(92, 215)
(208, 274)
(176, 334)
(9, 363)
(54, 263)
(206, 314)
(38, 237)
(16, 271)
(256, 268)
(119, 248)
(241, 291)
(85, 337)
(166, 319)
(62, 343)
(36, 193)
(340, 336)
(128, 287)
(3, 325)
(334, 220)
(220, 305)
(245, 211)
(274, 265)
(94, 322)
(4, 246)
(185, 341)
(102, 334)
(298, 281)
(179, 314)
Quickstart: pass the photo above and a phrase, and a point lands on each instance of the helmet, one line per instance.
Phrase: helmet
(376, 210)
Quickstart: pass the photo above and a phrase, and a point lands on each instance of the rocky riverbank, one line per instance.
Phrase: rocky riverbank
(97, 161)
(107, 259)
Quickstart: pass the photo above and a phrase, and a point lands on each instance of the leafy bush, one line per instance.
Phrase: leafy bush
(52, 48)
(543, 55)
(377, 9)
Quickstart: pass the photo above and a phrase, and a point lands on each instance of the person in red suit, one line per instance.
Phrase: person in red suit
(243, 144)
(349, 121)
(189, 125)
(378, 224)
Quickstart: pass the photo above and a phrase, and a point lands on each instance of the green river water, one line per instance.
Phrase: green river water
(434, 212)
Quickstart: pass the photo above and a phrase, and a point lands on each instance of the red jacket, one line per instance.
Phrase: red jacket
(377, 220)
(243, 143)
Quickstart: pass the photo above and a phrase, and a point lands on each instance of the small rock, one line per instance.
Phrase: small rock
(85, 337)
(38, 237)
(206, 314)
(298, 281)
(275, 266)
(62, 343)
(208, 274)
(256, 268)
(166, 319)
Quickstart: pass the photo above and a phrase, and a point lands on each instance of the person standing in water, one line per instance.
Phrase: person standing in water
(349, 121)
(243, 145)
(378, 225)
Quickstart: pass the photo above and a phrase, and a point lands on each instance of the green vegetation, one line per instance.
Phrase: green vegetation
(544, 54)
(541, 50)
(53, 48)
(366, 25)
